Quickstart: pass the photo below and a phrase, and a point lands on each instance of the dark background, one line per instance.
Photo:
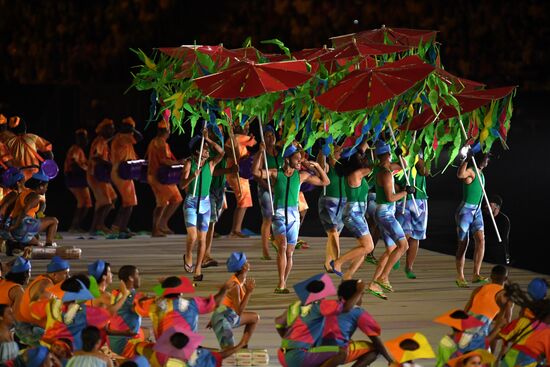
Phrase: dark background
(66, 64)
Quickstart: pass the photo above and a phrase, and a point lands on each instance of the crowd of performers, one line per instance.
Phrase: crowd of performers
(59, 319)
(76, 319)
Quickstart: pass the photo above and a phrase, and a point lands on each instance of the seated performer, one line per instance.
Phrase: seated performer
(167, 197)
(286, 221)
(90, 354)
(196, 179)
(11, 286)
(122, 149)
(101, 273)
(76, 165)
(104, 193)
(231, 313)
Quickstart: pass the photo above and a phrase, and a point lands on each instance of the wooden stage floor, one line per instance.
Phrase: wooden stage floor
(410, 309)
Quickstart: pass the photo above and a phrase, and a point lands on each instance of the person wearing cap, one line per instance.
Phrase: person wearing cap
(28, 150)
(90, 355)
(414, 223)
(9, 348)
(122, 149)
(469, 219)
(386, 197)
(231, 313)
(12, 285)
(34, 357)
(301, 325)
(274, 161)
(76, 164)
(30, 328)
(196, 180)
(101, 273)
(168, 197)
(286, 182)
(24, 222)
(104, 192)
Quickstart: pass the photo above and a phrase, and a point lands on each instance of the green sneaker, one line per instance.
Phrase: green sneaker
(371, 259)
(397, 265)
(410, 274)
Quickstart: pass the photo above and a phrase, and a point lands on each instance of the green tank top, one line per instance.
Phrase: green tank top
(218, 182)
(205, 180)
(336, 188)
(286, 189)
(380, 194)
(274, 161)
(472, 193)
(358, 194)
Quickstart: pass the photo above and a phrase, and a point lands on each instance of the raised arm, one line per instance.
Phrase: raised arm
(217, 148)
(187, 176)
(319, 179)
(257, 170)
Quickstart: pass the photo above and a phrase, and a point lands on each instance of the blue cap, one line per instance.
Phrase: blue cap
(41, 176)
(269, 129)
(381, 147)
(289, 151)
(57, 264)
(20, 265)
(193, 141)
(11, 176)
(37, 356)
(141, 361)
(537, 289)
(82, 295)
(235, 262)
(96, 269)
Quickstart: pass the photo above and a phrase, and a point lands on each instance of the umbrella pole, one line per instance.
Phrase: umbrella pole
(482, 185)
(231, 139)
(404, 165)
(266, 167)
(199, 160)
(324, 160)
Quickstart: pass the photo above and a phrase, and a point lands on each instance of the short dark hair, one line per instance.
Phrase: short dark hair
(3, 308)
(126, 271)
(19, 278)
(171, 282)
(33, 183)
(499, 271)
(72, 284)
(347, 289)
(90, 337)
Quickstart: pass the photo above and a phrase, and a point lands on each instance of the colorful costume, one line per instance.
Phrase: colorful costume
(197, 208)
(30, 225)
(485, 308)
(103, 191)
(385, 214)
(5, 287)
(122, 149)
(469, 218)
(8, 351)
(331, 205)
(76, 160)
(225, 319)
(127, 318)
(355, 209)
(157, 152)
(244, 200)
(414, 224)
(530, 339)
(25, 149)
(273, 162)
(286, 220)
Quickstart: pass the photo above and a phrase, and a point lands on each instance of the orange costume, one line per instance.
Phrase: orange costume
(122, 149)
(244, 200)
(76, 155)
(24, 149)
(484, 302)
(103, 191)
(23, 307)
(5, 288)
(157, 152)
(20, 205)
(5, 156)
(6, 134)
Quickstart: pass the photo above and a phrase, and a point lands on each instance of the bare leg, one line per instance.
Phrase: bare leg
(157, 214)
(289, 260)
(123, 216)
(168, 213)
(479, 252)
(190, 244)
(200, 252)
(49, 224)
(209, 239)
(336, 360)
(356, 256)
(382, 261)
(411, 253)
(250, 320)
(266, 232)
(238, 217)
(280, 240)
(333, 247)
(461, 258)
(366, 359)
(402, 246)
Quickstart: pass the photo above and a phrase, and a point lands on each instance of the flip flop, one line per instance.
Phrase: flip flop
(188, 268)
(480, 280)
(327, 269)
(281, 291)
(396, 265)
(339, 273)
(410, 274)
(378, 294)
(461, 283)
(386, 286)
(265, 258)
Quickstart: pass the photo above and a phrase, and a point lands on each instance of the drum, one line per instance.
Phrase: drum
(43, 252)
(131, 170)
(170, 175)
(76, 178)
(102, 171)
(50, 168)
(143, 173)
(245, 167)
(69, 252)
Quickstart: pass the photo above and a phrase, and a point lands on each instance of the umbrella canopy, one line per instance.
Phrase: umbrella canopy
(461, 84)
(367, 88)
(311, 53)
(218, 53)
(248, 53)
(398, 36)
(247, 79)
(468, 101)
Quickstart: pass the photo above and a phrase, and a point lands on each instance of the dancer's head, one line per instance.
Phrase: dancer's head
(6, 316)
(347, 289)
(237, 263)
(81, 137)
(499, 274)
(292, 156)
(106, 128)
(91, 339)
(129, 274)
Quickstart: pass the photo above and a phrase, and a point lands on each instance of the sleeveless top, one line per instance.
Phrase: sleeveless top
(228, 300)
(286, 189)
(337, 186)
(205, 180)
(472, 193)
(484, 302)
(218, 182)
(23, 311)
(20, 204)
(380, 194)
(5, 287)
(357, 194)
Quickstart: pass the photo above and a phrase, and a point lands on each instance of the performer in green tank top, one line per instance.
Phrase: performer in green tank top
(469, 219)
(197, 207)
(286, 182)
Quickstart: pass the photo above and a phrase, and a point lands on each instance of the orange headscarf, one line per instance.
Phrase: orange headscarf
(104, 123)
(129, 121)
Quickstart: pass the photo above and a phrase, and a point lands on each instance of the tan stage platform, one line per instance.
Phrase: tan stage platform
(411, 308)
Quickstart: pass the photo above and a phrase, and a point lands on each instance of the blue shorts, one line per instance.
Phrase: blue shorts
(224, 320)
(389, 226)
(354, 219)
(27, 230)
(287, 225)
(265, 203)
(217, 199)
(197, 215)
(371, 205)
(469, 219)
(331, 212)
(414, 224)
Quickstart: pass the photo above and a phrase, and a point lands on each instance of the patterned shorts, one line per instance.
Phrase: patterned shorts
(197, 215)
(287, 225)
(371, 205)
(389, 226)
(414, 224)
(265, 203)
(306, 358)
(331, 212)
(27, 230)
(224, 320)
(217, 203)
(469, 219)
(354, 219)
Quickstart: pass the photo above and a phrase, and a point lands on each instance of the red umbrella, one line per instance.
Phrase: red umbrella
(188, 53)
(310, 53)
(367, 88)
(247, 53)
(398, 36)
(462, 84)
(468, 101)
(248, 79)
